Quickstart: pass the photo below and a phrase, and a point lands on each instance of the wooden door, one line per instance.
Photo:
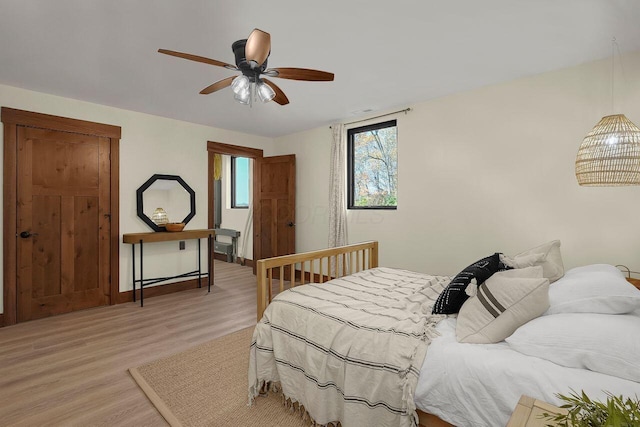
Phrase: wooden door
(63, 222)
(274, 205)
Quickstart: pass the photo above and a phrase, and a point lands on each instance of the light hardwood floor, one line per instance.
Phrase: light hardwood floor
(71, 370)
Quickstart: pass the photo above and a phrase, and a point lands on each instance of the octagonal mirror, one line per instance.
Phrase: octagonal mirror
(163, 199)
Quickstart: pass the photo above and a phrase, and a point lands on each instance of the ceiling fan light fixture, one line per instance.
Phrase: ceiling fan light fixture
(240, 84)
(243, 97)
(265, 93)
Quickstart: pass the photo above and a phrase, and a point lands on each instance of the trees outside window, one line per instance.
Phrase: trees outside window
(239, 182)
(372, 161)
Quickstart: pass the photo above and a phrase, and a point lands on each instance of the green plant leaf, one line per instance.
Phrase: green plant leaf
(617, 411)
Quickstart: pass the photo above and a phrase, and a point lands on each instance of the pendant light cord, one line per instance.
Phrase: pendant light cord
(613, 72)
(615, 47)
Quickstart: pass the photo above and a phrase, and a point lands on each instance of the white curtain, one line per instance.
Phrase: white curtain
(337, 188)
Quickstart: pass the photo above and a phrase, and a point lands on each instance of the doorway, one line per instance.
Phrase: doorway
(273, 199)
(226, 150)
(61, 230)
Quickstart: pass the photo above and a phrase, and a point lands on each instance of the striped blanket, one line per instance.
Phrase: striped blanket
(349, 350)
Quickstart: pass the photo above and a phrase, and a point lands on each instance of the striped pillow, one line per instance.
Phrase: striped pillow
(506, 301)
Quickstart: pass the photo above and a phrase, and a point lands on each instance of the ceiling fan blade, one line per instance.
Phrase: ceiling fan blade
(258, 46)
(280, 97)
(220, 84)
(302, 74)
(197, 58)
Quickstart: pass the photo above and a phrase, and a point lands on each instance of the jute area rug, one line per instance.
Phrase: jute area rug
(207, 386)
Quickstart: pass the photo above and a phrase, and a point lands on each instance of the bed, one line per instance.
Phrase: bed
(429, 378)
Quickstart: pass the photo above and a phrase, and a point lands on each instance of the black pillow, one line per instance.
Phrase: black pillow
(454, 295)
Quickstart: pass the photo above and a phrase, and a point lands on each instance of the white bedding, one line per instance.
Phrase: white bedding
(480, 384)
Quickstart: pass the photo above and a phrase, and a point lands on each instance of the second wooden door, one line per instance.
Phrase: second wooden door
(274, 201)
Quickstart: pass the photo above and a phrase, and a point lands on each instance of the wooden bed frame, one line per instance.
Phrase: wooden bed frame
(323, 265)
(291, 270)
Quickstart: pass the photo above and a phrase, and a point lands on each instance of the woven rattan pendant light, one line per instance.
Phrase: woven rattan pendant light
(610, 154)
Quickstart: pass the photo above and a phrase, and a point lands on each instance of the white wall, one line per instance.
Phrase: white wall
(489, 170)
(149, 145)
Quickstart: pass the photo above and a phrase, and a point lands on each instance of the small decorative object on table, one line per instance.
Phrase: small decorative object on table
(159, 217)
(174, 226)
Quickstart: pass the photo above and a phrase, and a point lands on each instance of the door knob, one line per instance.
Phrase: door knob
(26, 234)
(290, 224)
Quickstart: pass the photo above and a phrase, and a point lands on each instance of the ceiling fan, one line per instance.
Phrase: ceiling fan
(251, 60)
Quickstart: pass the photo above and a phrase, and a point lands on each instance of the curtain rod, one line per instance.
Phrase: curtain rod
(406, 110)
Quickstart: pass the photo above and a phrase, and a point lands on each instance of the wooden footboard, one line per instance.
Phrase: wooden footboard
(312, 267)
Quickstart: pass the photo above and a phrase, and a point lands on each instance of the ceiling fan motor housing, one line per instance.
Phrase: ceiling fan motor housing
(242, 64)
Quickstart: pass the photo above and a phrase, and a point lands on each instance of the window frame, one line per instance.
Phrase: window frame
(233, 182)
(350, 163)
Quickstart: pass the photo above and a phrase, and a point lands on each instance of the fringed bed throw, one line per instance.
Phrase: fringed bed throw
(348, 352)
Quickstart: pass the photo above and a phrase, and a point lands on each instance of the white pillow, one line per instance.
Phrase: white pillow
(606, 343)
(505, 301)
(547, 255)
(596, 288)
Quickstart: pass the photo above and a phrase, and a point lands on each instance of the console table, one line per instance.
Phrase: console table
(142, 238)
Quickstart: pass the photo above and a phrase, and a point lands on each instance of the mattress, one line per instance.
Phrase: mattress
(480, 384)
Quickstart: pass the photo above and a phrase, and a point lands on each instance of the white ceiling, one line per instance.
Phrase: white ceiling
(384, 54)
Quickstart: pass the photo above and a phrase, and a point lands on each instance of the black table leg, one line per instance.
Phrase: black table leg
(133, 262)
(141, 279)
(199, 266)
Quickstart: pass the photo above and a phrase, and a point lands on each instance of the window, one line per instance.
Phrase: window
(239, 182)
(372, 161)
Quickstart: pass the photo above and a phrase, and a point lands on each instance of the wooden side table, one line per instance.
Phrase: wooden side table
(528, 413)
(634, 282)
(142, 238)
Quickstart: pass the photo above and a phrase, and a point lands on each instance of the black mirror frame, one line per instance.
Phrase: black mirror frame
(147, 184)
